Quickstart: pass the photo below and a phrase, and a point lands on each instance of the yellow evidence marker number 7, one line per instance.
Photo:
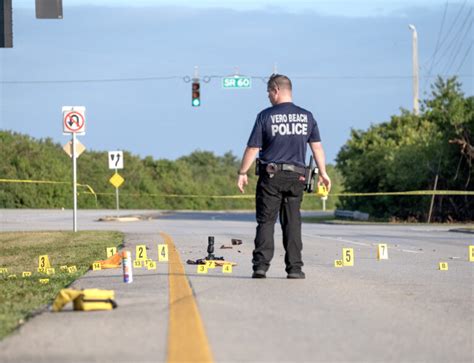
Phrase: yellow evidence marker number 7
(471, 253)
(382, 251)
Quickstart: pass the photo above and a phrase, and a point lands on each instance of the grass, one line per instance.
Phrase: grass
(19, 251)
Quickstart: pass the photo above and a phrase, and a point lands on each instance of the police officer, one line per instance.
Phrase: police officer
(280, 137)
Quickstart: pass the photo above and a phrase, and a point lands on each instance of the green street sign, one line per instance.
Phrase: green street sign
(236, 82)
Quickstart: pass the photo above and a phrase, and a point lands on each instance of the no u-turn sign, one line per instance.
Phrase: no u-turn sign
(74, 120)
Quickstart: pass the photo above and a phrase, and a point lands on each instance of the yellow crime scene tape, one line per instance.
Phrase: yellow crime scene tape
(240, 196)
(29, 181)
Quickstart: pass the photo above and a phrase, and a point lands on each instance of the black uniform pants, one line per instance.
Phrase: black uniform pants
(282, 194)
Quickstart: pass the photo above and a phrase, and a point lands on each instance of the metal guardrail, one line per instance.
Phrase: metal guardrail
(339, 213)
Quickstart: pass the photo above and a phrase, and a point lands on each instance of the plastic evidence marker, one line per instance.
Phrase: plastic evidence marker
(72, 269)
(96, 266)
(63, 268)
(50, 271)
(137, 264)
(471, 253)
(443, 266)
(140, 253)
(43, 262)
(111, 251)
(26, 274)
(202, 269)
(162, 253)
(382, 251)
(43, 281)
(348, 257)
(12, 276)
(210, 264)
(338, 263)
(3, 270)
(227, 268)
(151, 265)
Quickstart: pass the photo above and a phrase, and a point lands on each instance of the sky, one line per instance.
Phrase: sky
(129, 64)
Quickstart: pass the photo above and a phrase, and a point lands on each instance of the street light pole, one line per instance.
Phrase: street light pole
(416, 108)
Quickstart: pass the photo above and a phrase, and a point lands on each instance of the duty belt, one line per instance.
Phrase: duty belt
(272, 168)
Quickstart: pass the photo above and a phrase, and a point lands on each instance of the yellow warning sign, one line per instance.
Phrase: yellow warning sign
(79, 148)
(116, 180)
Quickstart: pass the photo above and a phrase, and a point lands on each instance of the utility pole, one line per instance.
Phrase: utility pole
(416, 108)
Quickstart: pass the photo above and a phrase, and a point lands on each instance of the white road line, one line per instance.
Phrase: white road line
(356, 243)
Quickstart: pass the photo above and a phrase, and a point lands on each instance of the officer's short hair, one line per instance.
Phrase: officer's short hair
(279, 81)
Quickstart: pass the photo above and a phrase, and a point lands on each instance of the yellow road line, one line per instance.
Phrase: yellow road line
(187, 340)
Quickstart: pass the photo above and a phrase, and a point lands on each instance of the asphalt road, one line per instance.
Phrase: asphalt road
(399, 310)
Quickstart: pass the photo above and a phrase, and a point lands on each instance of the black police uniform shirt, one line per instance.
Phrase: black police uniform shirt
(282, 133)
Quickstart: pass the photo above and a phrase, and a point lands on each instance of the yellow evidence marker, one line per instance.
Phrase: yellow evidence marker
(210, 264)
(43, 262)
(382, 251)
(443, 266)
(162, 253)
(202, 269)
(140, 253)
(63, 268)
(227, 268)
(151, 265)
(50, 271)
(137, 264)
(471, 253)
(26, 274)
(72, 269)
(12, 276)
(3, 270)
(43, 281)
(348, 257)
(338, 263)
(111, 251)
(96, 266)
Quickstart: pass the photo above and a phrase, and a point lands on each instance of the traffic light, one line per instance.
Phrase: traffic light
(196, 93)
(6, 26)
(49, 9)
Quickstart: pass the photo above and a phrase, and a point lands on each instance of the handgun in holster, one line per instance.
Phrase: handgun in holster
(310, 176)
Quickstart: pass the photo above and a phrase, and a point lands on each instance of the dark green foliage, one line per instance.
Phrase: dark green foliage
(149, 183)
(408, 152)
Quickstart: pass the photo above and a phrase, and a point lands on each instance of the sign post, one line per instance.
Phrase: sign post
(115, 163)
(74, 122)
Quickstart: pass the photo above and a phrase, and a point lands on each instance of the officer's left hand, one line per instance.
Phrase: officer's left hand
(241, 182)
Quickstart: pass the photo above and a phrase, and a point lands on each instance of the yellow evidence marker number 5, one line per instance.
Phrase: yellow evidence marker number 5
(348, 257)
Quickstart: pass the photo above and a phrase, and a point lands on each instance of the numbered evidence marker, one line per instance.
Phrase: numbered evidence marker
(202, 269)
(443, 266)
(96, 266)
(26, 274)
(471, 253)
(111, 251)
(50, 271)
(3, 270)
(210, 264)
(227, 268)
(43, 281)
(348, 257)
(140, 253)
(151, 265)
(382, 251)
(137, 264)
(43, 263)
(162, 253)
(338, 263)
(72, 269)
(63, 268)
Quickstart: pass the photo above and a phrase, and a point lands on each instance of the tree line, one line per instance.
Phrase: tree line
(432, 150)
